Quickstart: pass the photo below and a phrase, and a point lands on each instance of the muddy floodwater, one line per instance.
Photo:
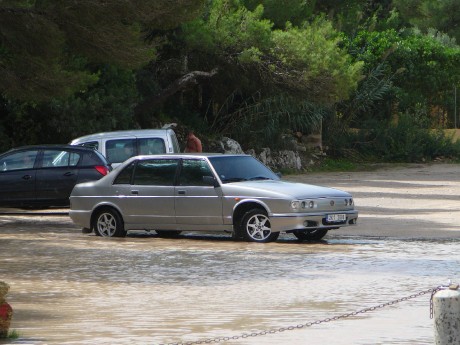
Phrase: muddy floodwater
(74, 288)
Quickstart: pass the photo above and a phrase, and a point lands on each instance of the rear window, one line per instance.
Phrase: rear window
(119, 150)
(151, 146)
(93, 158)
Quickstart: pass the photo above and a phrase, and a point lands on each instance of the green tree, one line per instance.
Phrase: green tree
(279, 12)
(263, 67)
(107, 104)
(44, 43)
(426, 14)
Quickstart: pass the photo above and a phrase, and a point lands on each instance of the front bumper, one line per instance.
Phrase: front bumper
(305, 221)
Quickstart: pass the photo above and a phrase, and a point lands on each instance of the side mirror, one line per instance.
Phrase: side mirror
(210, 181)
(279, 174)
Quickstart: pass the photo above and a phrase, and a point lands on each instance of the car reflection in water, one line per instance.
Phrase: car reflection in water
(203, 192)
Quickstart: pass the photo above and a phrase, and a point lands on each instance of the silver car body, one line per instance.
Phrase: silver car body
(218, 203)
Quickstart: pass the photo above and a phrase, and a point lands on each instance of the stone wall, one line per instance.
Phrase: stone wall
(302, 155)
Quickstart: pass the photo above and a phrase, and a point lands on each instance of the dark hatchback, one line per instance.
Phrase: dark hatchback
(44, 175)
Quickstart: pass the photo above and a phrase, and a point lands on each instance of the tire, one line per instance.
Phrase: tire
(108, 223)
(168, 233)
(256, 227)
(310, 235)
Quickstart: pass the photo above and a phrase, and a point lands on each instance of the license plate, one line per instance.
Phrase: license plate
(333, 218)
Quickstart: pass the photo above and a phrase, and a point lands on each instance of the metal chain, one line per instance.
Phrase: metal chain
(432, 291)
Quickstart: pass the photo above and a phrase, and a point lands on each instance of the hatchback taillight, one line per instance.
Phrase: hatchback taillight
(102, 169)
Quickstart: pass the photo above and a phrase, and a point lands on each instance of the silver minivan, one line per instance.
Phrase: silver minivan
(118, 146)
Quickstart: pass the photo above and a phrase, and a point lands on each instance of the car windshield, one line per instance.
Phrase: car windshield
(241, 168)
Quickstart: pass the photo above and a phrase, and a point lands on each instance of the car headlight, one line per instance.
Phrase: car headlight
(295, 204)
(308, 204)
(348, 202)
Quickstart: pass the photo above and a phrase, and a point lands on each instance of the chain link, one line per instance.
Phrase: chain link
(432, 291)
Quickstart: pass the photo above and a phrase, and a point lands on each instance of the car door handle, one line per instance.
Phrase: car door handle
(26, 177)
(181, 192)
(69, 173)
(135, 192)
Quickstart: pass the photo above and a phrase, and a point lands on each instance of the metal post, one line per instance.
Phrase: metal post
(446, 312)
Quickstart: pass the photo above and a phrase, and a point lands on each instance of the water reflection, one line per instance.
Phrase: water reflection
(70, 288)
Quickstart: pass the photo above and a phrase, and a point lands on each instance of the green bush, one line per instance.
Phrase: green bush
(409, 139)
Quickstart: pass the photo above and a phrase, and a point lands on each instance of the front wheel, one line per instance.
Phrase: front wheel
(108, 223)
(256, 227)
(310, 235)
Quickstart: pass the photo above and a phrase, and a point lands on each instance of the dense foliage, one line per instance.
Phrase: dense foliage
(254, 70)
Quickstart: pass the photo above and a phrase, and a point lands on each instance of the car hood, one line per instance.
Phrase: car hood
(283, 189)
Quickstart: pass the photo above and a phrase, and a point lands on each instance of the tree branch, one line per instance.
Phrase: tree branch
(179, 84)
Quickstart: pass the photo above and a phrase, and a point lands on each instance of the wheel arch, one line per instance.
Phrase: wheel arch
(100, 208)
(243, 207)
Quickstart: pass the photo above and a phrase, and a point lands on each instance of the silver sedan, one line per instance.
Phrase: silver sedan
(207, 192)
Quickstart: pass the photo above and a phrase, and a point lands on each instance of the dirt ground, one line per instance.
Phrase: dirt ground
(411, 200)
(73, 288)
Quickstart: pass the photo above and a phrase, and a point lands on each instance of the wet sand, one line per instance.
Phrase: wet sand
(409, 201)
(73, 288)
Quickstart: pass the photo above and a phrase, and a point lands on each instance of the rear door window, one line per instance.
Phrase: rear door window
(155, 172)
(57, 158)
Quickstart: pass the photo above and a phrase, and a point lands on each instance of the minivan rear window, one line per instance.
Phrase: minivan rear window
(119, 150)
(151, 146)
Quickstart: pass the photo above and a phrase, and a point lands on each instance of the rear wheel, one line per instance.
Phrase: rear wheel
(108, 223)
(256, 227)
(168, 233)
(310, 235)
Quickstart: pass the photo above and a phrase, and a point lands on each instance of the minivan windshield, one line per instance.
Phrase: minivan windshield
(241, 168)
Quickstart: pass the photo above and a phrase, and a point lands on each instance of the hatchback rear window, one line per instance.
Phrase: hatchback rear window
(93, 158)
(151, 146)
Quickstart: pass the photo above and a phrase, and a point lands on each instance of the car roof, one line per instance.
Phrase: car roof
(51, 146)
(194, 154)
(184, 155)
(125, 133)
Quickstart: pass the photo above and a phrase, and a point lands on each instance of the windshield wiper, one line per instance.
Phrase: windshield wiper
(233, 179)
(258, 178)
